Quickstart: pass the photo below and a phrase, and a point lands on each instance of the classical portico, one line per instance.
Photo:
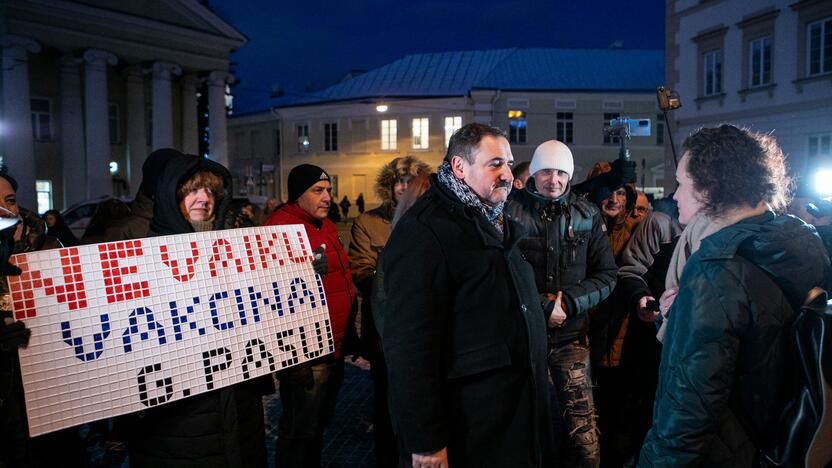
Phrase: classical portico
(111, 85)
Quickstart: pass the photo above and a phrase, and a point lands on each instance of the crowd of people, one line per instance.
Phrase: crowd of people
(510, 316)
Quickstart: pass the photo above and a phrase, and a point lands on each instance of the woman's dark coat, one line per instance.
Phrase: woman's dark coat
(725, 353)
(221, 428)
(465, 338)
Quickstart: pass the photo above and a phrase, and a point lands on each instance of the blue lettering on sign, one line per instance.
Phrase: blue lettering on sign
(180, 320)
(78, 342)
(294, 285)
(133, 328)
(321, 289)
(215, 314)
(253, 297)
(277, 305)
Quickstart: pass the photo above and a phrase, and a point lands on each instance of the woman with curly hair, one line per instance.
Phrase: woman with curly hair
(723, 369)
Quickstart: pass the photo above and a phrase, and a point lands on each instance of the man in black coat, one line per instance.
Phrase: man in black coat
(574, 271)
(465, 334)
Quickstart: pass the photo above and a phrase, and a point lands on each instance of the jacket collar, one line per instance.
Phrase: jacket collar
(724, 243)
(293, 209)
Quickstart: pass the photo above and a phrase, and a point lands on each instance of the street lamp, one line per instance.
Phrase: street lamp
(382, 108)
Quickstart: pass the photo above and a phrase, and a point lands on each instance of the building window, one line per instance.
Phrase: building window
(516, 126)
(331, 137)
(421, 132)
(713, 73)
(44, 190)
(609, 139)
(303, 138)
(114, 121)
(565, 125)
(820, 146)
(660, 129)
(452, 124)
(389, 129)
(760, 60)
(41, 119)
(820, 47)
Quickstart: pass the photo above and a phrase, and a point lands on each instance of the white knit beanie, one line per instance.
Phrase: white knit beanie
(552, 154)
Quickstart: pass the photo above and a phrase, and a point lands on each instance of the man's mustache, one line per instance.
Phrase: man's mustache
(502, 184)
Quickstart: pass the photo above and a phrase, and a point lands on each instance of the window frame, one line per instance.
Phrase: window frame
(424, 139)
(330, 137)
(518, 134)
(567, 133)
(302, 132)
(50, 192)
(391, 142)
(37, 124)
(114, 127)
(609, 139)
(452, 128)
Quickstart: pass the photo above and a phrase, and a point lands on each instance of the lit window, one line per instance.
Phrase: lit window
(516, 126)
(421, 133)
(820, 146)
(452, 124)
(388, 134)
(41, 119)
(713, 73)
(44, 190)
(820, 47)
(760, 61)
(331, 137)
(303, 138)
(565, 127)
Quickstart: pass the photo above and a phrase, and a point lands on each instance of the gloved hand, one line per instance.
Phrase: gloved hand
(13, 335)
(319, 261)
(622, 173)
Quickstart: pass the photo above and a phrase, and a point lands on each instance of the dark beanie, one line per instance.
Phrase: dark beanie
(152, 169)
(302, 177)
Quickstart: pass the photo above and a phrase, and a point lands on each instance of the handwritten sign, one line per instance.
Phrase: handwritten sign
(125, 326)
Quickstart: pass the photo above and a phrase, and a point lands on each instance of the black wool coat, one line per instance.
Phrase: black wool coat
(465, 338)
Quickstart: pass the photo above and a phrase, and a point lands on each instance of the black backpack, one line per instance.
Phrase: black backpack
(804, 429)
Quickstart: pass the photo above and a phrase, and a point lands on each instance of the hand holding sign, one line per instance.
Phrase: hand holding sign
(320, 263)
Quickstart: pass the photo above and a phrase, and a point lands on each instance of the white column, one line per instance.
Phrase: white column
(190, 135)
(217, 125)
(17, 129)
(72, 131)
(96, 123)
(136, 130)
(162, 104)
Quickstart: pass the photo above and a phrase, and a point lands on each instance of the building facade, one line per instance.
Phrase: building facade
(765, 64)
(91, 87)
(413, 105)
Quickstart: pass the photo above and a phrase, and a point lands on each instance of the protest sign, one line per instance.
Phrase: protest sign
(125, 326)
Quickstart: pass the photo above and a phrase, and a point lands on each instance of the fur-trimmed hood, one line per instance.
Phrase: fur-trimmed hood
(399, 167)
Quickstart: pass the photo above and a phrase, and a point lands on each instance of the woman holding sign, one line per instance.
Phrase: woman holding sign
(222, 427)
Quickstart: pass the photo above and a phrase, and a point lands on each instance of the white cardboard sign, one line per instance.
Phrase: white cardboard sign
(124, 326)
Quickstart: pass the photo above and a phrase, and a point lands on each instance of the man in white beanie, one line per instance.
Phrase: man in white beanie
(574, 271)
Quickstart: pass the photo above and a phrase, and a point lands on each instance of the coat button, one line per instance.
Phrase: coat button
(523, 307)
(551, 249)
(549, 278)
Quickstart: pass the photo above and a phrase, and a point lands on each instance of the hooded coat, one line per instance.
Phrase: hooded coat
(220, 428)
(725, 357)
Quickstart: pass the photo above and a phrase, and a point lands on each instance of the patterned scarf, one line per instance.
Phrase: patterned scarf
(494, 214)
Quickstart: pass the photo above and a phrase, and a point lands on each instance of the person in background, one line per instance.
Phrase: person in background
(308, 391)
(724, 367)
(359, 202)
(56, 227)
(521, 174)
(641, 207)
(368, 237)
(574, 271)
(345, 207)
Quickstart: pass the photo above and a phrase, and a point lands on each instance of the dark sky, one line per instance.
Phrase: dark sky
(312, 44)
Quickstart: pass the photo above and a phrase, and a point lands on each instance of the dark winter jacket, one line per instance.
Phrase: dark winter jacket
(220, 428)
(569, 252)
(338, 286)
(725, 352)
(134, 226)
(464, 337)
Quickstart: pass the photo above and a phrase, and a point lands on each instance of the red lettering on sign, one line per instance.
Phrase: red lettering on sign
(115, 289)
(249, 253)
(71, 292)
(292, 257)
(265, 249)
(174, 264)
(222, 253)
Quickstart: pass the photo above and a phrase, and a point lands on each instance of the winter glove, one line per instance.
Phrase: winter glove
(13, 335)
(319, 261)
(622, 173)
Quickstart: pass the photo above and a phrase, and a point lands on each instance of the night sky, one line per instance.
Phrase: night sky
(313, 44)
